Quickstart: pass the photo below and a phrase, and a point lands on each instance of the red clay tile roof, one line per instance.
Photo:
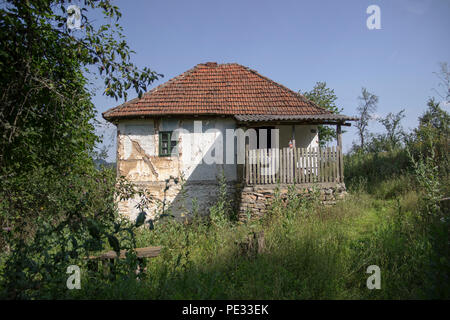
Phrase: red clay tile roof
(305, 117)
(217, 89)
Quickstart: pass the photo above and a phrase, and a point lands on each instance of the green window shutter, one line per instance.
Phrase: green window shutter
(165, 143)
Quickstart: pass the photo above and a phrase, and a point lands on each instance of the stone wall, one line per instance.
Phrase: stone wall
(256, 200)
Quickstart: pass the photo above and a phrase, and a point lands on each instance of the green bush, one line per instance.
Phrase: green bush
(310, 252)
(55, 221)
(371, 171)
(221, 212)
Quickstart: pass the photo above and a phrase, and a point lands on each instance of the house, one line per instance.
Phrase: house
(224, 118)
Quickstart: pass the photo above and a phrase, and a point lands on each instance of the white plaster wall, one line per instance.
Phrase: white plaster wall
(304, 137)
(201, 156)
(189, 159)
(141, 131)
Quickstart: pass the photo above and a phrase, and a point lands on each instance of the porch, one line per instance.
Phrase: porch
(294, 165)
(294, 160)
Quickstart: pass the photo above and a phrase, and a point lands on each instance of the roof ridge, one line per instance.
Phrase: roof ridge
(296, 94)
(217, 88)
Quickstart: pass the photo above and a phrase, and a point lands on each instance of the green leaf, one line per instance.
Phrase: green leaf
(94, 229)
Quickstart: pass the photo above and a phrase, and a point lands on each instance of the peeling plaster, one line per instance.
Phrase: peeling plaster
(138, 160)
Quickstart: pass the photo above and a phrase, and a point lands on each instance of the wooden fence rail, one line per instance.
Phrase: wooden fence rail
(293, 165)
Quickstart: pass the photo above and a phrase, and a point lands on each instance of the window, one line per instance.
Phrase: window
(166, 144)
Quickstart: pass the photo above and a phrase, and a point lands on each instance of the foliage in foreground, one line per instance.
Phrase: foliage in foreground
(76, 218)
(55, 207)
(310, 253)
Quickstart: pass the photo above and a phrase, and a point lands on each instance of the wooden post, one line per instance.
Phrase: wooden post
(264, 166)
(258, 166)
(272, 165)
(291, 152)
(320, 165)
(280, 165)
(316, 164)
(288, 165)
(335, 164)
(340, 153)
(294, 149)
(339, 135)
(305, 152)
(302, 164)
(255, 171)
(299, 168)
(247, 166)
(294, 165)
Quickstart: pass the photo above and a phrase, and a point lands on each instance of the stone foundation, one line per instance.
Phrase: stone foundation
(181, 199)
(256, 200)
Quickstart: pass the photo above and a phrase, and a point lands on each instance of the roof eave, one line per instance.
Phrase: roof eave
(329, 118)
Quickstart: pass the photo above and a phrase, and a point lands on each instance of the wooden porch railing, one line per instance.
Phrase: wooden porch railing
(294, 165)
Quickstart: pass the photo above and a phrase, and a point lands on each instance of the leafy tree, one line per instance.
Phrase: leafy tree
(367, 106)
(435, 117)
(45, 108)
(394, 130)
(393, 136)
(432, 136)
(55, 207)
(325, 98)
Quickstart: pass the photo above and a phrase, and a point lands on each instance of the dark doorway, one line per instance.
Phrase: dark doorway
(268, 143)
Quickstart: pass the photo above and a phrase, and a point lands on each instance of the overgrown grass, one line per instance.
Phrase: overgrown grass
(311, 252)
(392, 220)
(384, 174)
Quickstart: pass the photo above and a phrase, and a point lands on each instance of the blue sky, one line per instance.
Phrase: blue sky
(298, 43)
